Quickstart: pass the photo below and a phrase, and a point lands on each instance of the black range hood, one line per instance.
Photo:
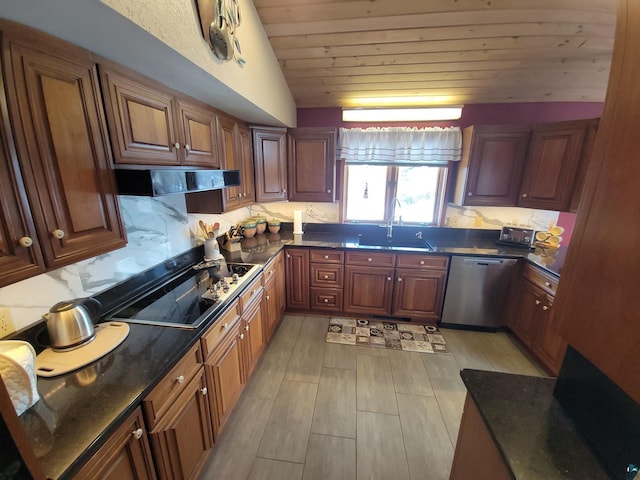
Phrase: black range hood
(157, 182)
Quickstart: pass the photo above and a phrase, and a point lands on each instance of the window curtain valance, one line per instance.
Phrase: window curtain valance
(401, 145)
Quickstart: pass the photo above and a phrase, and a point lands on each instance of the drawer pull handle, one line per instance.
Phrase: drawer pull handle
(177, 146)
(25, 242)
(180, 379)
(204, 391)
(187, 147)
(545, 308)
(537, 302)
(137, 434)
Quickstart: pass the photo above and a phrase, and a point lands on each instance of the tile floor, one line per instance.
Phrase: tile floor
(314, 410)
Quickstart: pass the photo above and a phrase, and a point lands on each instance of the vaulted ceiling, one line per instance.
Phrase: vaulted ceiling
(345, 53)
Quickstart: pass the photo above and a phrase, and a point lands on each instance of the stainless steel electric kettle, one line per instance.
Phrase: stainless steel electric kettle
(70, 323)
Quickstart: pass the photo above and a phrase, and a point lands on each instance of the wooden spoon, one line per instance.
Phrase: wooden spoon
(204, 228)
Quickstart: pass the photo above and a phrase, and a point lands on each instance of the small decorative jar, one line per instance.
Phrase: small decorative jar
(274, 226)
(248, 229)
(261, 224)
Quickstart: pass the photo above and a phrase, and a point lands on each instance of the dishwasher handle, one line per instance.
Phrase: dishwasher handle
(485, 262)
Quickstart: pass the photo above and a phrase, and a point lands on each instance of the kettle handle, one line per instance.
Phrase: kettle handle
(94, 306)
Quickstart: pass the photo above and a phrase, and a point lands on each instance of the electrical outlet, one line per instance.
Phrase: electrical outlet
(6, 322)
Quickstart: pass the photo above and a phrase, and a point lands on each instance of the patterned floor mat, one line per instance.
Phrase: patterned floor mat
(410, 337)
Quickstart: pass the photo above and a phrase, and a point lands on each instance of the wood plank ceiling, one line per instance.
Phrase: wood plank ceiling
(339, 53)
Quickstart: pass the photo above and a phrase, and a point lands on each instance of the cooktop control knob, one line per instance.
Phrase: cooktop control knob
(234, 278)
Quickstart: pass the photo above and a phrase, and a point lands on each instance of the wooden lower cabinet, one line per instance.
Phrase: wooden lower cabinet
(531, 318)
(297, 275)
(125, 455)
(419, 294)
(254, 335)
(368, 290)
(182, 438)
(476, 455)
(274, 296)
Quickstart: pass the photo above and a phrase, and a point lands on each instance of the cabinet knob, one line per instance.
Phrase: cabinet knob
(187, 147)
(246, 327)
(59, 234)
(326, 300)
(225, 326)
(242, 336)
(268, 297)
(399, 279)
(537, 302)
(545, 308)
(326, 277)
(547, 284)
(176, 146)
(469, 194)
(180, 379)
(204, 391)
(421, 262)
(388, 279)
(25, 242)
(369, 259)
(524, 195)
(137, 434)
(326, 257)
(329, 191)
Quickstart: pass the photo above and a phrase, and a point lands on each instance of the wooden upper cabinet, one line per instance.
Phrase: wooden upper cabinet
(270, 160)
(490, 171)
(243, 142)
(312, 164)
(61, 140)
(20, 253)
(199, 128)
(583, 166)
(555, 150)
(235, 152)
(151, 126)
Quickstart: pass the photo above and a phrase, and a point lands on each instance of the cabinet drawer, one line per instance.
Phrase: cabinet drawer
(372, 259)
(422, 261)
(326, 299)
(222, 325)
(162, 396)
(326, 256)
(269, 271)
(326, 275)
(252, 291)
(544, 280)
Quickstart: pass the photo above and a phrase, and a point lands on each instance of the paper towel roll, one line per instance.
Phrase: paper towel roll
(297, 221)
(17, 360)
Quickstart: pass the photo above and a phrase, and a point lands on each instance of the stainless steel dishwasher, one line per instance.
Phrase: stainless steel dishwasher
(477, 291)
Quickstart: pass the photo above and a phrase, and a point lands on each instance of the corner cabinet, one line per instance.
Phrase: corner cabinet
(150, 125)
(312, 164)
(270, 162)
(555, 151)
(491, 168)
(60, 133)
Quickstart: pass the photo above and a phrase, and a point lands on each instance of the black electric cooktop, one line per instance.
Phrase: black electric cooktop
(188, 299)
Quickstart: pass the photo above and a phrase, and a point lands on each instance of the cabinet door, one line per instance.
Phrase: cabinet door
(548, 345)
(491, 167)
(280, 286)
(552, 163)
(255, 340)
(198, 126)
(419, 294)
(232, 196)
(270, 161)
(297, 273)
(141, 120)
(243, 142)
(271, 316)
(527, 312)
(61, 142)
(583, 166)
(183, 438)
(225, 376)
(312, 164)
(368, 290)
(125, 455)
(18, 259)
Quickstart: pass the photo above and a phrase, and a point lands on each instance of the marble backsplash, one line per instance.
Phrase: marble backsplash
(161, 228)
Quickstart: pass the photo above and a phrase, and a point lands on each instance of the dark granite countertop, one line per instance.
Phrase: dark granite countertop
(535, 436)
(79, 410)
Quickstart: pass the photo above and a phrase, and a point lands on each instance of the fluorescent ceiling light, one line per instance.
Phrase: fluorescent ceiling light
(401, 114)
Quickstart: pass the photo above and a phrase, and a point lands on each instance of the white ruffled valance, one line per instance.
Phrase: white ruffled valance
(401, 145)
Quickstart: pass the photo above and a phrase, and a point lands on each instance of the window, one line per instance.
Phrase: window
(411, 194)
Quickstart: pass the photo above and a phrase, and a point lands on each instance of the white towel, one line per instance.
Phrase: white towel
(17, 360)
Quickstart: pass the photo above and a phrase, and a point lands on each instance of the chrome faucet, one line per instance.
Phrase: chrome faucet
(389, 223)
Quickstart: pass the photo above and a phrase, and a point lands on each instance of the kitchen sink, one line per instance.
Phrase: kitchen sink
(376, 241)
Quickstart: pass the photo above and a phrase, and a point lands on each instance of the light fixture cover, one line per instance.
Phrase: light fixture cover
(401, 114)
